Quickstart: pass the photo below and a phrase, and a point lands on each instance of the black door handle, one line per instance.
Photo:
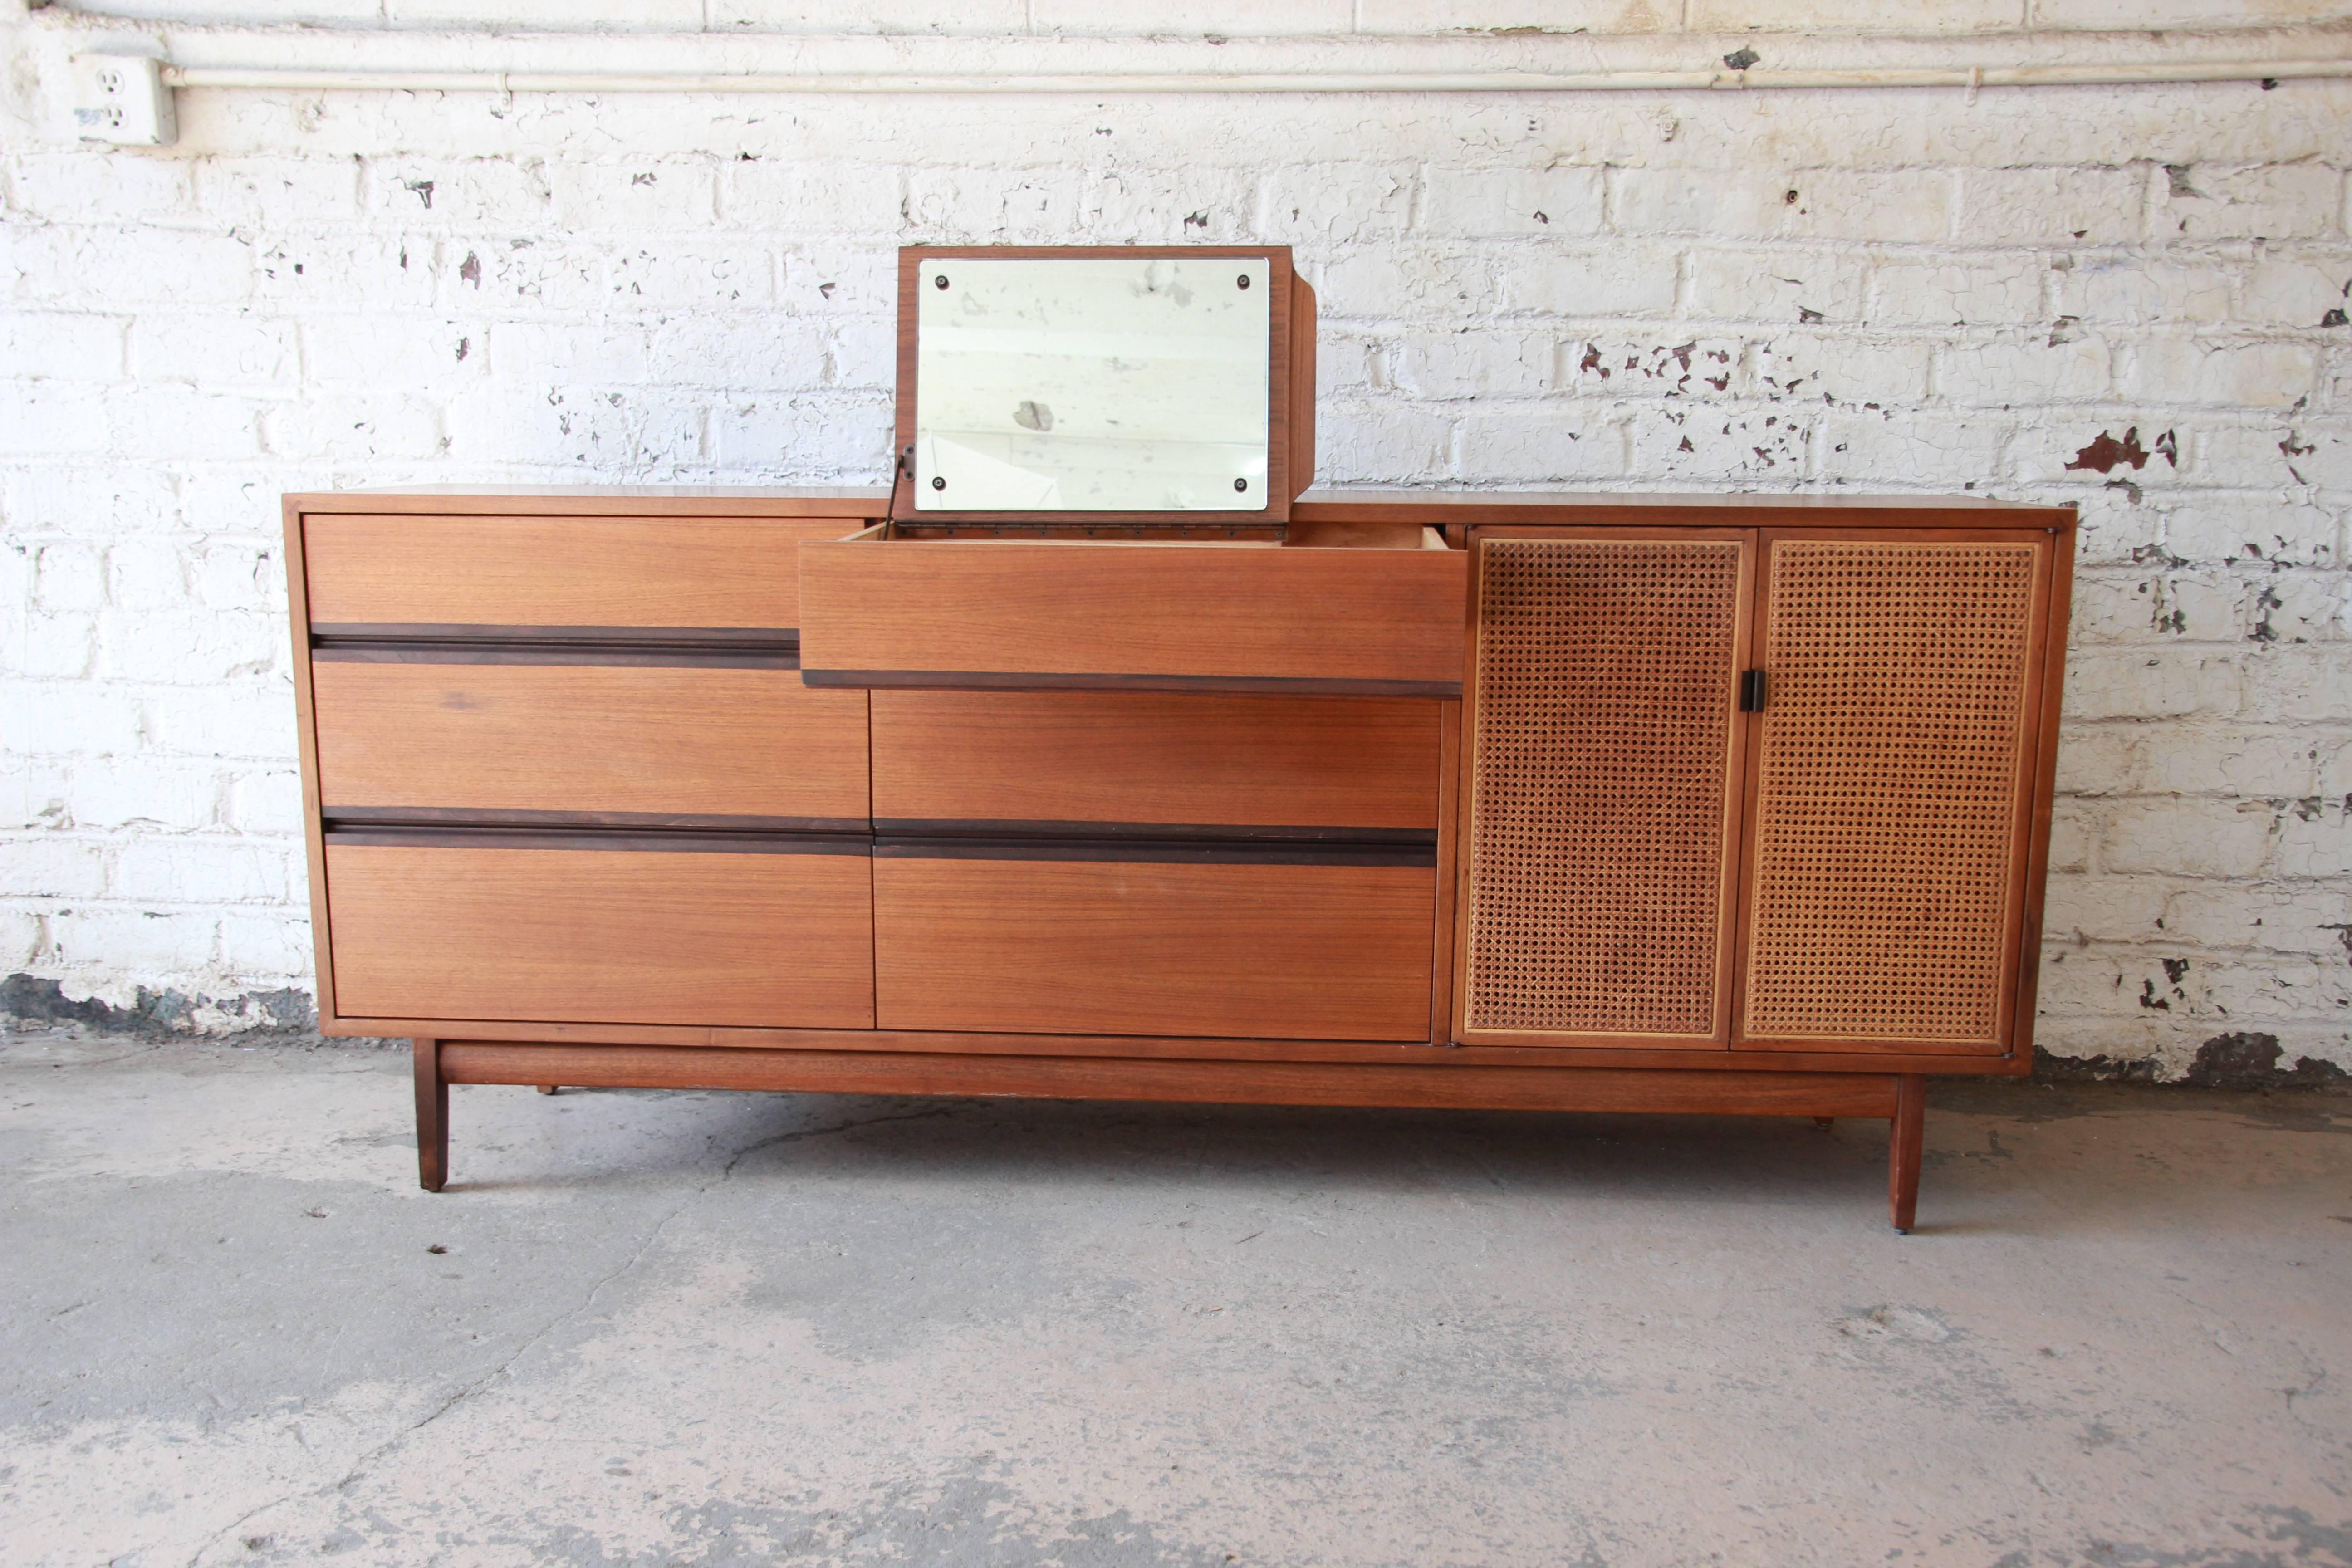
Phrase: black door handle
(1751, 692)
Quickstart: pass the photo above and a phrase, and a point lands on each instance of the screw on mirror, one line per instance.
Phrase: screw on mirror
(939, 481)
(940, 281)
(1241, 484)
(1240, 282)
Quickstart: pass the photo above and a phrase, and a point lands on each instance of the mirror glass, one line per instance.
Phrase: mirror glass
(1091, 384)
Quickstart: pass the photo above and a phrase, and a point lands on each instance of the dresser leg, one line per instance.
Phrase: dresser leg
(432, 1118)
(547, 1089)
(1902, 1146)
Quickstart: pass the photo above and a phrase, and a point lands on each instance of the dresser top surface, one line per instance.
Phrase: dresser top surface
(589, 501)
(1539, 507)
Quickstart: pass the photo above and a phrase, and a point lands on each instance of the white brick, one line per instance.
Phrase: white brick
(2244, 375)
(355, 427)
(143, 791)
(1129, 207)
(1476, 364)
(2274, 201)
(761, 352)
(71, 188)
(52, 866)
(1957, 293)
(633, 195)
(1838, 15)
(2133, 291)
(466, 194)
(2105, 909)
(265, 800)
(157, 946)
(179, 648)
(2095, 207)
(2298, 686)
(204, 870)
(2315, 452)
(986, 206)
(2256, 529)
(579, 429)
(1897, 205)
(1656, 365)
(1617, 280)
(810, 435)
(2143, 450)
(1809, 366)
(226, 720)
(117, 267)
(379, 348)
(2189, 837)
(2154, 683)
(57, 346)
(2007, 374)
(68, 576)
(1746, 448)
(43, 418)
(146, 572)
(1388, 442)
(691, 273)
(165, 420)
(1354, 202)
(273, 946)
(70, 721)
(276, 192)
(2256, 454)
(1383, 282)
(237, 573)
(1777, 286)
(2290, 918)
(2296, 293)
(2243, 763)
(1479, 203)
(562, 352)
(1563, 443)
(58, 647)
(796, 197)
(242, 351)
(1882, 451)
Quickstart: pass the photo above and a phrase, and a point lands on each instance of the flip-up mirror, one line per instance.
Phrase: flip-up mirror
(1144, 384)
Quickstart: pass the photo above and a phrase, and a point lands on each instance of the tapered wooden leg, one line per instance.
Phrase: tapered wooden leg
(1903, 1150)
(432, 1118)
(547, 1089)
(1825, 1122)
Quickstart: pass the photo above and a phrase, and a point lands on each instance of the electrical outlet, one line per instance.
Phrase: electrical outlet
(122, 99)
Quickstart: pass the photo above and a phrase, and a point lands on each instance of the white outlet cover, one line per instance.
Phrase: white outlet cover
(121, 99)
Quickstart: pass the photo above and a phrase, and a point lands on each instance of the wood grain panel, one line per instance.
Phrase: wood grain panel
(588, 739)
(374, 570)
(1132, 612)
(614, 936)
(1231, 1083)
(1331, 951)
(1143, 757)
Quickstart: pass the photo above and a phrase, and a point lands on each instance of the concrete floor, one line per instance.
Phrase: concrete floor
(702, 1329)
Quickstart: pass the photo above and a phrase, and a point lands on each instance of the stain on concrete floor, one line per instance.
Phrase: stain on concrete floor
(703, 1329)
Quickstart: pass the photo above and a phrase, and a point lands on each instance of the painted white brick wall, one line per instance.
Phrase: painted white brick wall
(2131, 299)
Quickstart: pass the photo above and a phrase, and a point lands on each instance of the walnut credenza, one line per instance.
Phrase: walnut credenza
(1724, 805)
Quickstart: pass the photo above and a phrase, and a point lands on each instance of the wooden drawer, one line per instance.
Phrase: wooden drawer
(642, 745)
(945, 761)
(582, 574)
(1365, 620)
(594, 929)
(1122, 940)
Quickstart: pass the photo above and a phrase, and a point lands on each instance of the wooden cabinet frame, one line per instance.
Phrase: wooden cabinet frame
(1379, 595)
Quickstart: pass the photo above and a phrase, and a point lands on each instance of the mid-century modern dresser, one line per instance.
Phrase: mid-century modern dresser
(1725, 804)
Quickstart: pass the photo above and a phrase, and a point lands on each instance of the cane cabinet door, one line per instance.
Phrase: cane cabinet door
(1604, 764)
(1891, 788)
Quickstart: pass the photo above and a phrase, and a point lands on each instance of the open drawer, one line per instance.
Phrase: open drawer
(1337, 608)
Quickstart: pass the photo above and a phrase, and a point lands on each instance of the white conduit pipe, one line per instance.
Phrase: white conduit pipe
(1968, 77)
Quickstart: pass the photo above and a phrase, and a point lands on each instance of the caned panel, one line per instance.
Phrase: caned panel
(1891, 789)
(1601, 786)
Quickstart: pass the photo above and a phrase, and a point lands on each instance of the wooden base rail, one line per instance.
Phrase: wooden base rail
(1901, 1098)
